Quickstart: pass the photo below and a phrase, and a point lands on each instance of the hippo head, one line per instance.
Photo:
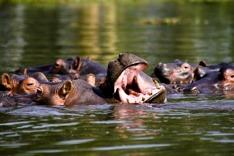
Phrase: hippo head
(61, 66)
(68, 93)
(69, 66)
(177, 72)
(130, 84)
(28, 86)
(18, 84)
(53, 93)
(227, 78)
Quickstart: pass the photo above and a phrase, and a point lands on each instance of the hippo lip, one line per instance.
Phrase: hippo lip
(134, 86)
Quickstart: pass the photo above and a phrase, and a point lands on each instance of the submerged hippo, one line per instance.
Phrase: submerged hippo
(68, 93)
(213, 79)
(127, 82)
(73, 67)
(177, 72)
(80, 66)
(22, 84)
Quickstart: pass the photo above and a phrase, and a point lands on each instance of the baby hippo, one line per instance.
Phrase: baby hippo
(68, 93)
(177, 72)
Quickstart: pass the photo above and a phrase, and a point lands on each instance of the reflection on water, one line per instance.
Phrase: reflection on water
(177, 127)
(37, 34)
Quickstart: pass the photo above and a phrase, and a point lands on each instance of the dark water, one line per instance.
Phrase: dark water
(34, 34)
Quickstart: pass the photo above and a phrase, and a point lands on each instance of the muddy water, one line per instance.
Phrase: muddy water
(34, 34)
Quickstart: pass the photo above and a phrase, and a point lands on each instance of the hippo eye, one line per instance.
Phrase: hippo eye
(232, 76)
(29, 84)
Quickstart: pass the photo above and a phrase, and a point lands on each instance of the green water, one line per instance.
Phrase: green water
(37, 33)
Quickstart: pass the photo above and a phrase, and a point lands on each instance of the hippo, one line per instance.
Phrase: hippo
(214, 79)
(80, 66)
(73, 67)
(127, 82)
(68, 93)
(203, 69)
(22, 84)
(177, 72)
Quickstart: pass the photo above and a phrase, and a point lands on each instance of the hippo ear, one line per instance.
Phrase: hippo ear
(77, 63)
(196, 73)
(59, 63)
(65, 89)
(202, 63)
(199, 72)
(7, 81)
(25, 71)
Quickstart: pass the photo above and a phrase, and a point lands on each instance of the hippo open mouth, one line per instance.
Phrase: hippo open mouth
(134, 86)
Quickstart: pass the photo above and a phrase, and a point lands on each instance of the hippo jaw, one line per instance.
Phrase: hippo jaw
(54, 94)
(134, 86)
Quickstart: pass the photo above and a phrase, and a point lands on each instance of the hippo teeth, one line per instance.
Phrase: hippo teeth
(137, 89)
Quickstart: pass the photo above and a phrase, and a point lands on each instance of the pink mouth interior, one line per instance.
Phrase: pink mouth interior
(134, 86)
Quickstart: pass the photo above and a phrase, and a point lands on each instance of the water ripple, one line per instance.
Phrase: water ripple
(127, 147)
(15, 123)
(109, 122)
(46, 151)
(224, 141)
(56, 125)
(74, 142)
(13, 145)
(217, 133)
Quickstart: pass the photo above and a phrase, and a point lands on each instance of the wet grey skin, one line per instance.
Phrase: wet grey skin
(127, 82)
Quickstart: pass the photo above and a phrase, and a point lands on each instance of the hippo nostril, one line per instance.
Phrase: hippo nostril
(186, 67)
